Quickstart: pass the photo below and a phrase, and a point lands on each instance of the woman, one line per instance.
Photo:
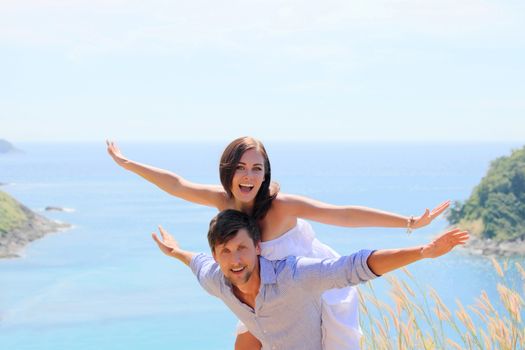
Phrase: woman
(245, 175)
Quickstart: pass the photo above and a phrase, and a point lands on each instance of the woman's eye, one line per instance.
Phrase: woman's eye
(239, 167)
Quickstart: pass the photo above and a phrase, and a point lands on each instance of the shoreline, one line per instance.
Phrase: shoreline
(36, 226)
(489, 247)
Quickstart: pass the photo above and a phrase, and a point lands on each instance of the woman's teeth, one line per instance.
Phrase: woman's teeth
(238, 269)
(246, 187)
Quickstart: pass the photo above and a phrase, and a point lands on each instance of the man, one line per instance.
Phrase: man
(279, 301)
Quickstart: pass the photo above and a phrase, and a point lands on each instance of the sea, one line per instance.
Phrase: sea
(103, 283)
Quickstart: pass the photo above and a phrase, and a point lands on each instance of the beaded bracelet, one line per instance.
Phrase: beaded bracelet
(410, 222)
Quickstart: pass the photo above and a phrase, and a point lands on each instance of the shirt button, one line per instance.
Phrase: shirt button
(264, 331)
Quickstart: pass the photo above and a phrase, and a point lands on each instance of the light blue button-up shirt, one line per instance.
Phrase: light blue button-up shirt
(287, 312)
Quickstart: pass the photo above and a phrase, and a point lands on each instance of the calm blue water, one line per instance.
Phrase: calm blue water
(103, 284)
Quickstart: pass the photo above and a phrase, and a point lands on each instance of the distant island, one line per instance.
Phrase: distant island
(6, 147)
(19, 226)
(495, 211)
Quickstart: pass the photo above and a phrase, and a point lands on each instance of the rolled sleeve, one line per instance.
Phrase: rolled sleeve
(331, 273)
(359, 271)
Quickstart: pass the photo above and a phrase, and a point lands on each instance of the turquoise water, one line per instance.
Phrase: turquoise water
(103, 284)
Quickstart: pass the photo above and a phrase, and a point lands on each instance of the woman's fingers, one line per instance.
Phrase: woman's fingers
(157, 240)
(163, 233)
(440, 208)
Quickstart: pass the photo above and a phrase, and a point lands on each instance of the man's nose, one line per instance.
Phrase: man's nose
(236, 257)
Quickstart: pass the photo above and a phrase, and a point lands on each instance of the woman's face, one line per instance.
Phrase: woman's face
(248, 177)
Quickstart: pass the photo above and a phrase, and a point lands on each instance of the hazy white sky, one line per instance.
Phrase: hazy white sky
(437, 70)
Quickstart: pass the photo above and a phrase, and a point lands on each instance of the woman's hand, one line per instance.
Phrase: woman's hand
(115, 153)
(428, 216)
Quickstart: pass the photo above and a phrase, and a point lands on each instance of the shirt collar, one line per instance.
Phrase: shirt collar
(267, 271)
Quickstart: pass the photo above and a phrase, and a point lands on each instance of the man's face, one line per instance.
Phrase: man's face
(238, 258)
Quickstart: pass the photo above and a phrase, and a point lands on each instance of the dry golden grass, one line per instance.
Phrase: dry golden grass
(430, 324)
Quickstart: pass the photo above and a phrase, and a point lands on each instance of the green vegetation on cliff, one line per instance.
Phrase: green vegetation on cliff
(11, 214)
(19, 226)
(496, 207)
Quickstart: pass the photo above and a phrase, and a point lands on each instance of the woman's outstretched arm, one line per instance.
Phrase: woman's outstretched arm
(352, 216)
(209, 195)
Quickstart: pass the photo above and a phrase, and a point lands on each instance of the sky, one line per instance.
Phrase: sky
(171, 70)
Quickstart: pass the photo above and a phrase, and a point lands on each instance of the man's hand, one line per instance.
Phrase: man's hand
(386, 260)
(444, 243)
(169, 246)
(428, 215)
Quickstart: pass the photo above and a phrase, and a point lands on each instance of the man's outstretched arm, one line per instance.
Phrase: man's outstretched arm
(386, 260)
(169, 246)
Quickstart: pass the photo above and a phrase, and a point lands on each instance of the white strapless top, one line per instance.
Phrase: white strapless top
(298, 241)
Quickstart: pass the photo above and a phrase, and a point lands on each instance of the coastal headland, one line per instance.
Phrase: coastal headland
(19, 226)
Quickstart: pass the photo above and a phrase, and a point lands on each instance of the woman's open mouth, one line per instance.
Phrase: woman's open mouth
(246, 188)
